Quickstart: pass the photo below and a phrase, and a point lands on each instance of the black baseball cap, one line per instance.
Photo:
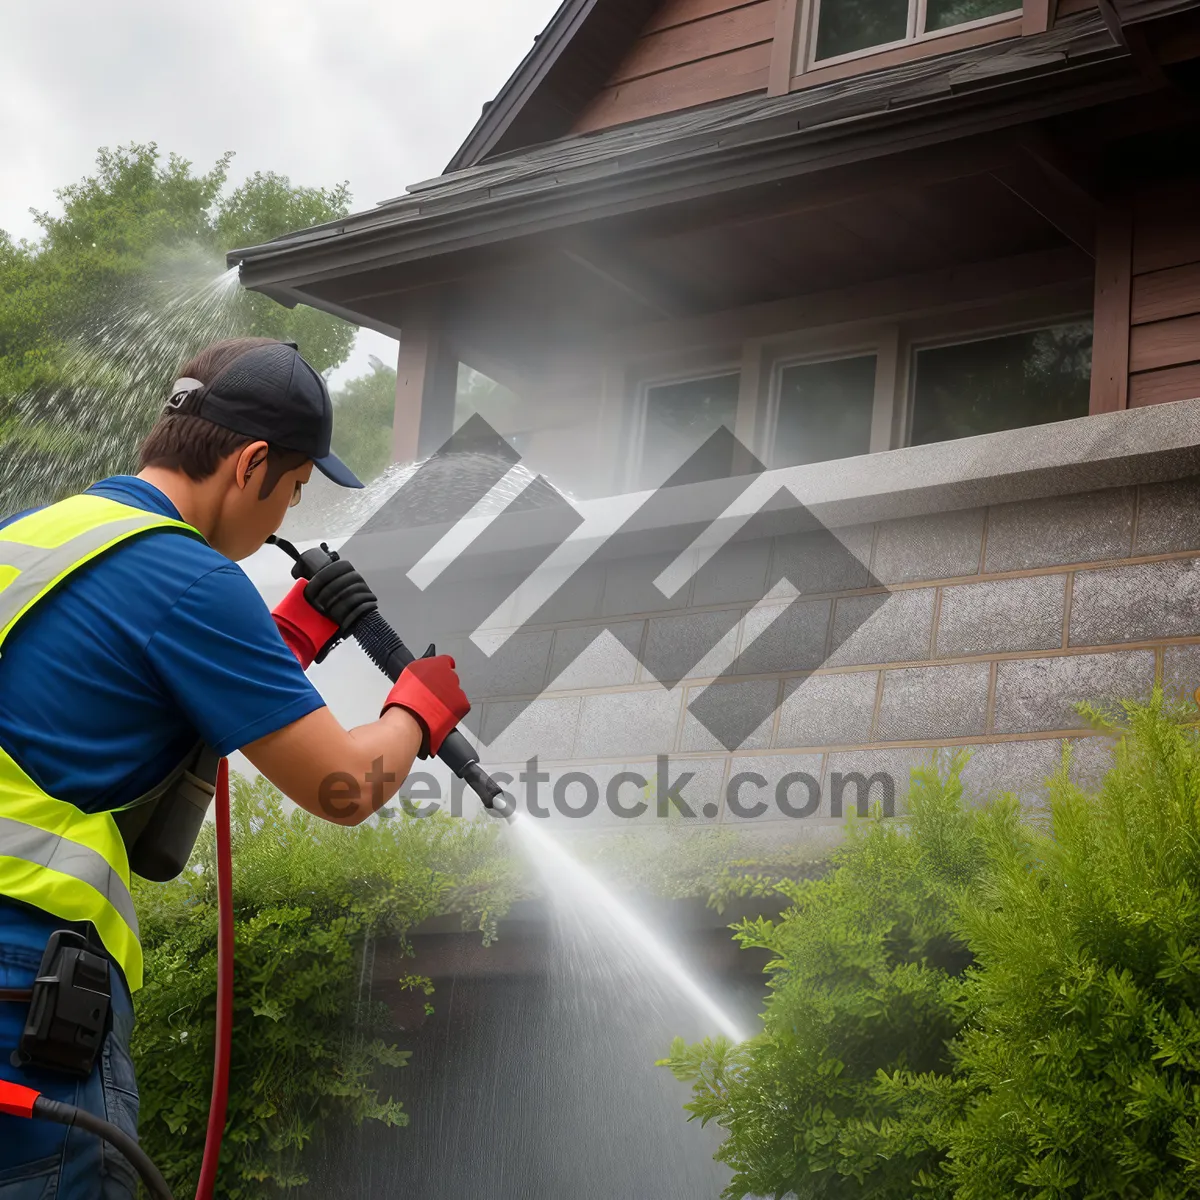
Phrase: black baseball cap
(271, 393)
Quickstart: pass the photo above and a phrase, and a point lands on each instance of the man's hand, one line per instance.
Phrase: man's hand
(429, 689)
(339, 592)
(309, 634)
(319, 612)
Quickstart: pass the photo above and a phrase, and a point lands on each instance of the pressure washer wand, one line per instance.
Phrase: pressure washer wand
(383, 646)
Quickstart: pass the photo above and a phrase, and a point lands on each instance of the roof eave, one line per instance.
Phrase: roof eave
(295, 264)
(291, 297)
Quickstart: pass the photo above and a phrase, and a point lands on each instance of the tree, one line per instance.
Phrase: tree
(100, 310)
(363, 409)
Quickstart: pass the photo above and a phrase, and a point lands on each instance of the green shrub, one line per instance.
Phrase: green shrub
(977, 1007)
(1083, 1053)
(307, 896)
(866, 978)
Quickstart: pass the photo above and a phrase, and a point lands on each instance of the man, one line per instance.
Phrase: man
(132, 647)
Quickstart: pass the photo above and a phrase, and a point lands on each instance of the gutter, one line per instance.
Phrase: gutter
(290, 297)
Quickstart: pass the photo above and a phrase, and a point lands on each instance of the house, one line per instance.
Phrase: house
(934, 263)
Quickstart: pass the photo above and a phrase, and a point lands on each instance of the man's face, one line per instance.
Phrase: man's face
(247, 521)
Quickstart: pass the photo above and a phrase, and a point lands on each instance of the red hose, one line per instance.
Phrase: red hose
(220, 1090)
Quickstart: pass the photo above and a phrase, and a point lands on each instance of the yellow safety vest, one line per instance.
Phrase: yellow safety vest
(53, 855)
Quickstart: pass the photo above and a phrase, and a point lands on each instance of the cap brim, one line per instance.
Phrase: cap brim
(333, 468)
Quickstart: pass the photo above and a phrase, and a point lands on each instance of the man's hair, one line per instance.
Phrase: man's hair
(196, 446)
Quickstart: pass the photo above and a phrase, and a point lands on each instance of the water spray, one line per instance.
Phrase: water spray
(593, 897)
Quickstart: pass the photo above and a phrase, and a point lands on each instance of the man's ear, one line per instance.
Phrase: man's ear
(249, 459)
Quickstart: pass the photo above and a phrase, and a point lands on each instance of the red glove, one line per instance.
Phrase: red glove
(304, 629)
(429, 689)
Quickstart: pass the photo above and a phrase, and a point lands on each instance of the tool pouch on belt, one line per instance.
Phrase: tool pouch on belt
(69, 1008)
(160, 828)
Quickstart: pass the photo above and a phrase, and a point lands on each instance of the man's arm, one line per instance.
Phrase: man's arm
(222, 659)
(346, 775)
(341, 775)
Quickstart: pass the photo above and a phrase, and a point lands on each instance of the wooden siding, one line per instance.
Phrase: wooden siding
(1161, 387)
(1164, 343)
(690, 52)
(673, 13)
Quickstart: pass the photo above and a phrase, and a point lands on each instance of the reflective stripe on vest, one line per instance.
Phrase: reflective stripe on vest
(53, 855)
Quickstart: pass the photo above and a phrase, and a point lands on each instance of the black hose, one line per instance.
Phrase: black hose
(68, 1114)
(382, 644)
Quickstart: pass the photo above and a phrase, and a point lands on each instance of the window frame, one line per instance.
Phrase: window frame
(765, 443)
(636, 440)
(893, 343)
(806, 61)
(914, 344)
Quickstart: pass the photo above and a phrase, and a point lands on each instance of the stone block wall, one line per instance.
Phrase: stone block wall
(973, 628)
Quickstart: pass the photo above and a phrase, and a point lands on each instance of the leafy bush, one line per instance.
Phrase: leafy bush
(307, 895)
(1082, 1057)
(867, 979)
(977, 1007)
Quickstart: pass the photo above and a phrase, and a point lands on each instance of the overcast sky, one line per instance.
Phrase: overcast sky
(376, 92)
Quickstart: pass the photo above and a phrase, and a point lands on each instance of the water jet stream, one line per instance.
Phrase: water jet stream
(596, 904)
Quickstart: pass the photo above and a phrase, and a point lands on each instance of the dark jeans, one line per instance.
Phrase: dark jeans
(42, 1161)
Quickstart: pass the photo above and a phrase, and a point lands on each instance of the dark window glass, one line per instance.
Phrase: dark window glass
(824, 411)
(944, 14)
(844, 26)
(680, 419)
(1002, 383)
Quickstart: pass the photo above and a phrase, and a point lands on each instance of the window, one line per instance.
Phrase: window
(679, 419)
(850, 26)
(998, 383)
(876, 387)
(824, 411)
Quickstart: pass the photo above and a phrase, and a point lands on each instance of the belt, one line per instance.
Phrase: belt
(16, 995)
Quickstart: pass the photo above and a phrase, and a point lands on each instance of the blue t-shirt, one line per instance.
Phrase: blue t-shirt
(107, 683)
